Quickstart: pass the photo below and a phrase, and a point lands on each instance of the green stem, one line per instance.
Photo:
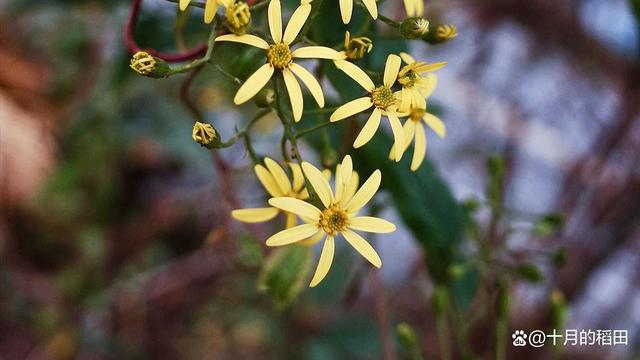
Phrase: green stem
(388, 21)
(243, 134)
(303, 132)
(228, 75)
(198, 62)
(443, 336)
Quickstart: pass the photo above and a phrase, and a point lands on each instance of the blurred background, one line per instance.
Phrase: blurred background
(115, 238)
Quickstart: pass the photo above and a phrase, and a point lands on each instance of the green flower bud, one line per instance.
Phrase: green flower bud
(204, 134)
(148, 65)
(414, 28)
(441, 33)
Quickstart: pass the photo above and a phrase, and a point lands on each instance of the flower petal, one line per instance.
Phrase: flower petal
(408, 59)
(428, 84)
(369, 129)
(391, 69)
(313, 240)
(298, 178)
(324, 264)
(398, 134)
(346, 170)
(275, 20)
(245, 39)
(253, 84)
(358, 75)
(420, 149)
(290, 220)
(346, 8)
(183, 4)
(295, 93)
(351, 108)
(309, 81)
(435, 124)
(279, 175)
(292, 235)
(319, 183)
(210, 9)
(409, 129)
(256, 215)
(371, 224)
(409, 8)
(296, 22)
(316, 52)
(363, 247)
(268, 181)
(372, 7)
(295, 206)
(424, 67)
(366, 192)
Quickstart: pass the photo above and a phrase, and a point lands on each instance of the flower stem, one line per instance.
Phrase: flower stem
(389, 21)
(303, 132)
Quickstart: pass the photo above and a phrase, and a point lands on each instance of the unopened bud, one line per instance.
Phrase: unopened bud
(238, 17)
(355, 48)
(441, 33)
(414, 28)
(204, 134)
(148, 65)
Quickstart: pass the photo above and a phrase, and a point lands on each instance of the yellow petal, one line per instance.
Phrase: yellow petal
(296, 23)
(418, 100)
(409, 130)
(419, 8)
(358, 75)
(295, 206)
(256, 215)
(210, 9)
(298, 179)
(420, 149)
(428, 84)
(268, 181)
(435, 124)
(409, 8)
(245, 39)
(319, 183)
(351, 108)
(346, 171)
(324, 264)
(309, 81)
(366, 192)
(369, 129)
(316, 52)
(275, 20)
(391, 69)
(346, 8)
(398, 134)
(290, 220)
(278, 175)
(371, 224)
(292, 235)
(254, 83)
(430, 67)
(184, 4)
(350, 189)
(312, 240)
(295, 93)
(408, 59)
(363, 247)
(371, 7)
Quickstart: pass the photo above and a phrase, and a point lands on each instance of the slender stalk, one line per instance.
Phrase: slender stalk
(388, 21)
(242, 133)
(303, 132)
(443, 336)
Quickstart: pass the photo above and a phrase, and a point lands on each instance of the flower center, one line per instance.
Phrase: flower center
(279, 56)
(417, 114)
(382, 97)
(333, 220)
(238, 17)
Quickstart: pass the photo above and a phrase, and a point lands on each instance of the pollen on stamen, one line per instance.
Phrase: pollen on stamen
(382, 97)
(279, 56)
(333, 220)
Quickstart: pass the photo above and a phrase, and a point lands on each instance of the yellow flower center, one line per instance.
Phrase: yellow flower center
(417, 114)
(333, 220)
(382, 97)
(279, 56)
(238, 17)
(143, 63)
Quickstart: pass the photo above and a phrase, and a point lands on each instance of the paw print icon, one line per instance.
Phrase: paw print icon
(519, 338)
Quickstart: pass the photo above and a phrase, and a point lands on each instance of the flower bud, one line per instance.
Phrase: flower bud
(414, 28)
(146, 64)
(442, 33)
(355, 48)
(238, 17)
(204, 134)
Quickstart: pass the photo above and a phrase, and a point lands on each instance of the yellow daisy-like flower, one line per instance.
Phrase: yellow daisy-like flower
(381, 98)
(346, 9)
(338, 216)
(417, 82)
(413, 128)
(276, 182)
(280, 57)
(414, 7)
(210, 9)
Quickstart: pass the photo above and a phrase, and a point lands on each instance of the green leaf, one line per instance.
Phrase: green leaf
(496, 168)
(284, 274)
(529, 272)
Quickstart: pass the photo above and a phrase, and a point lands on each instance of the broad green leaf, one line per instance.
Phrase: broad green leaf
(284, 274)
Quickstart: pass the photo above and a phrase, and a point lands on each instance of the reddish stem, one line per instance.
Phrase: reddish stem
(133, 47)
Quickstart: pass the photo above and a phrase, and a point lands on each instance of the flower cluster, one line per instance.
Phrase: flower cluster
(300, 192)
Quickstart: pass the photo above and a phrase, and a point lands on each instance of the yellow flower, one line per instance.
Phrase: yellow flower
(210, 9)
(280, 57)
(414, 7)
(413, 128)
(381, 98)
(276, 182)
(346, 8)
(339, 215)
(417, 82)
(355, 48)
